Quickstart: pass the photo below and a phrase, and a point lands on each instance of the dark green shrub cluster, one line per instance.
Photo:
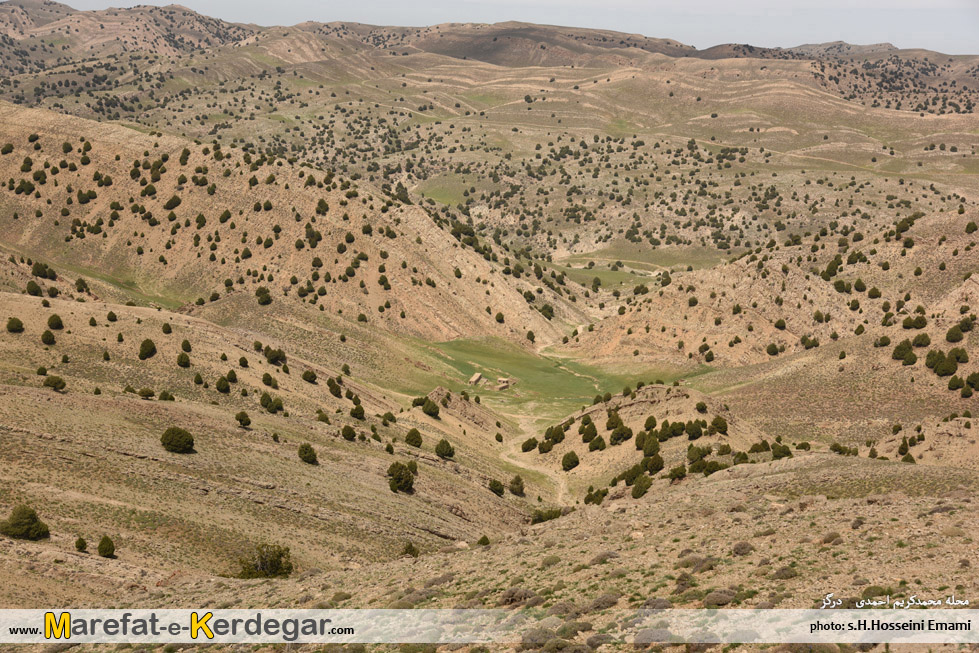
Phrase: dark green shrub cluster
(641, 486)
(444, 450)
(272, 405)
(595, 497)
(265, 561)
(54, 382)
(413, 438)
(401, 478)
(840, 449)
(587, 429)
(307, 454)
(780, 451)
(24, 524)
(546, 514)
(569, 461)
(147, 349)
(107, 548)
(177, 440)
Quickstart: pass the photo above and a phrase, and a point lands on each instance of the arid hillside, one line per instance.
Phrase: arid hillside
(479, 315)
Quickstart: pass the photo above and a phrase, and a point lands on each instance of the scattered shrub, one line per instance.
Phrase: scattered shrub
(400, 478)
(107, 549)
(177, 440)
(413, 438)
(444, 450)
(147, 349)
(55, 383)
(570, 461)
(430, 408)
(265, 561)
(24, 524)
(307, 454)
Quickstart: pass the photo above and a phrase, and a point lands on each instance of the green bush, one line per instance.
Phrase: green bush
(444, 450)
(516, 486)
(348, 433)
(54, 382)
(177, 440)
(147, 349)
(570, 461)
(678, 473)
(780, 451)
(400, 478)
(24, 524)
(430, 408)
(81, 545)
(47, 338)
(55, 323)
(307, 454)
(14, 325)
(653, 464)
(954, 334)
(641, 486)
(413, 438)
(410, 550)
(243, 419)
(265, 561)
(540, 516)
(309, 376)
(496, 487)
(106, 547)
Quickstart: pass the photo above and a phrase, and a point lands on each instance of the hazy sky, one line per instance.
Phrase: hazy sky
(945, 25)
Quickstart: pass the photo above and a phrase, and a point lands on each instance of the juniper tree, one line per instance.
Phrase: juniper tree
(107, 549)
(177, 440)
(307, 454)
(444, 450)
(265, 561)
(496, 487)
(413, 438)
(24, 524)
(400, 478)
(147, 349)
(569, 461)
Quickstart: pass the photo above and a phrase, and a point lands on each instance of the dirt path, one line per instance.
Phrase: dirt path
(513, 455)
